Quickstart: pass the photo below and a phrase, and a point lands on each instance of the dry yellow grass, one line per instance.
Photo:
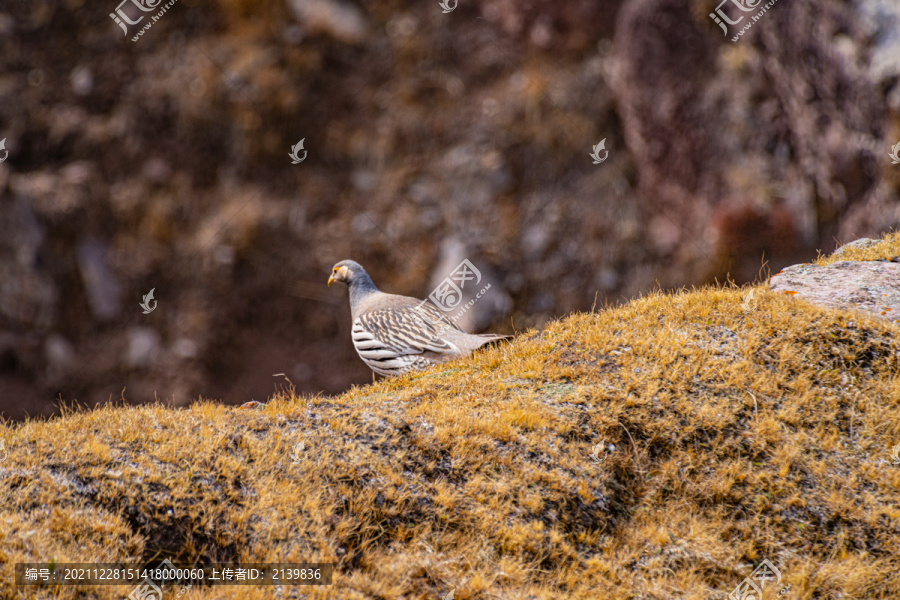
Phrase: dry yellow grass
(738, 437)
(888, 248)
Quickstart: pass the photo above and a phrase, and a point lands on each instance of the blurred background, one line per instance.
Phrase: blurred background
(431, 135)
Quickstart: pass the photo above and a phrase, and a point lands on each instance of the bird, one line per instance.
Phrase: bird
(396, 334)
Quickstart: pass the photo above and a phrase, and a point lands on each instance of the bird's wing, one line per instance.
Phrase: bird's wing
(435, 316)
(402, 330)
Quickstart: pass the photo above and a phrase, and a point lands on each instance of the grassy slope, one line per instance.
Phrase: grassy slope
(737, 437)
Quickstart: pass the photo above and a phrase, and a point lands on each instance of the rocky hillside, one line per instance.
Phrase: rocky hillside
(661, 449)
(429, 137)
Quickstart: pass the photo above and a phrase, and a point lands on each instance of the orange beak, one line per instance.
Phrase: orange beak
(337, 275)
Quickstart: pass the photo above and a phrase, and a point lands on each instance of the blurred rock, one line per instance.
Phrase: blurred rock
(548, 24)
(224, 255)
(185, 348)
(302, 372)
(7, 24)
(21, 234)
(143, 347)
(784, 76)
(364, 181)
(294, 35)
(607, 279)
(28, 295)
(156, 170)
(103, 289)
(60, 356)
(478, 306)
(82, 80)
(881, 18)
(535, 240)
(341, 20)
(77, 182)
(58, 193)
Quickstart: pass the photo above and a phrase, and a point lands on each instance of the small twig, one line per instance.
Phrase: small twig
(632, 443)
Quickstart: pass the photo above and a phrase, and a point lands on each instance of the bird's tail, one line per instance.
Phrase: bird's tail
(492, 338)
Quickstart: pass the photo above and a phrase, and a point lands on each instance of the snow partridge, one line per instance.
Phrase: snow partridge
(397, 334)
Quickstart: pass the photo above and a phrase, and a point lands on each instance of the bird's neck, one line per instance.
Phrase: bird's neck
(359, 289)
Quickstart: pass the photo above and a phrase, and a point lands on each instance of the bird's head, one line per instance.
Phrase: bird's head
(347, 271)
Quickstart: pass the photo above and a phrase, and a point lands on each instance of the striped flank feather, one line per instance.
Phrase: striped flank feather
(394, 341)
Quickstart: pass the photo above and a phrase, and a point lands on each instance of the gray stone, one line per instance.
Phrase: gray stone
(871, 286)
